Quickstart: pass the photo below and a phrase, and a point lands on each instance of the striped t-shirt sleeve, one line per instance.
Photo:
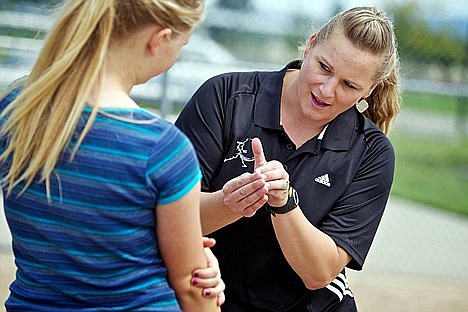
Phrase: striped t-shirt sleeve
(173, 168)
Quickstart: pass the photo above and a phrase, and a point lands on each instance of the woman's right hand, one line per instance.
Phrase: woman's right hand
(245, 194)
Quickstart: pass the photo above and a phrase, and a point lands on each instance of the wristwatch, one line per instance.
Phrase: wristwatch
(292, 203)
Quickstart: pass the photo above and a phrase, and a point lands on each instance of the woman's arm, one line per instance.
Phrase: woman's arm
(315, 253)
(203, 121)
(312, 254)
(240, 197)
(179, 237)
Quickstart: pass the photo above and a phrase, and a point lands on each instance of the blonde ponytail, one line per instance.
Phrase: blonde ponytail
(384, 103)
(39, 123)
(41, 120)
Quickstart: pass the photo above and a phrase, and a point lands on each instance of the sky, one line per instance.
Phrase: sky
(323, 8)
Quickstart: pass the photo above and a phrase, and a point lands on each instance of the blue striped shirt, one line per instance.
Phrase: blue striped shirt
(94, 247)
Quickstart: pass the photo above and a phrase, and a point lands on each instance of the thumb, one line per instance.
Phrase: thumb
(257, 150)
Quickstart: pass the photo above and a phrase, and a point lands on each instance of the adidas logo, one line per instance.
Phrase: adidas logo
(323, 179)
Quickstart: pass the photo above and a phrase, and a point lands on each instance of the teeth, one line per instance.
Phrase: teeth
(319, 103)
(316, 99)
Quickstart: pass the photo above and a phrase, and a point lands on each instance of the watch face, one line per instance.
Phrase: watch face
(295, 197)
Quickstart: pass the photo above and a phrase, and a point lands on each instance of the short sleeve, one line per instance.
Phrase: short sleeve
(173, 168)
(202, 120)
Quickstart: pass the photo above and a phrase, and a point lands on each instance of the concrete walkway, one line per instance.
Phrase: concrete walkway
(418, 262)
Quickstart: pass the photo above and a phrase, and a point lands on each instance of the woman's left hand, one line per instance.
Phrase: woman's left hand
(278, 181)
(209, 279)
(276, 176)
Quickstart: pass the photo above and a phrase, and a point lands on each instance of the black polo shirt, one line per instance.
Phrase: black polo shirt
(343, 178)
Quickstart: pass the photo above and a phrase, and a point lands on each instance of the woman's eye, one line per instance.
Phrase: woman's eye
(349, 85)
(324, 67)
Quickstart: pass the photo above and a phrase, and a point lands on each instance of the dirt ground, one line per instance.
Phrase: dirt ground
(394, 293)
(382, 293)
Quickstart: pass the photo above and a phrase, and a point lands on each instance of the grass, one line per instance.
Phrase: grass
(432, 171)
(448, 105)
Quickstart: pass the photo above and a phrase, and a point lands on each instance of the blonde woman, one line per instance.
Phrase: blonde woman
(101, 196)
(305, 205)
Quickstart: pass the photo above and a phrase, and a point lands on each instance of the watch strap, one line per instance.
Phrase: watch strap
(291, 204)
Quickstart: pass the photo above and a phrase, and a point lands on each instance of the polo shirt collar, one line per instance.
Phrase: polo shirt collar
(267, 104)
(339, 133)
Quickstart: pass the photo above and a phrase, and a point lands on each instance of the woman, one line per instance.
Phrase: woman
(290, 215)
(101, 195)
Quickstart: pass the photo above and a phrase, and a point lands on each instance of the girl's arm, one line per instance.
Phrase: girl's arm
(179, 237)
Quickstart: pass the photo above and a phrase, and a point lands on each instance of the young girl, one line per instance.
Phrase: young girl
(101, 196)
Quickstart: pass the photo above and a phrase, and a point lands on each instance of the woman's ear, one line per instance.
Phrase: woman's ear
(157, 37)
(372, 89)
(310, 44)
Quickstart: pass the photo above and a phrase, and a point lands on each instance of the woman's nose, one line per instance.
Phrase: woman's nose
(328, 87)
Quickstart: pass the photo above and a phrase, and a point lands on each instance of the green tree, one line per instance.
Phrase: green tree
(419, 43)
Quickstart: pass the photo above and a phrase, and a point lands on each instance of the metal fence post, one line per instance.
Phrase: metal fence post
(460, 122)
(166, 104)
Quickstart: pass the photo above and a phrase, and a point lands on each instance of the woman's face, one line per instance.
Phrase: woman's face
(334, 76)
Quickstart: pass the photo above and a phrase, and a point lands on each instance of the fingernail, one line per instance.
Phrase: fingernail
(194, 282)
(207, 292)
(195, 274)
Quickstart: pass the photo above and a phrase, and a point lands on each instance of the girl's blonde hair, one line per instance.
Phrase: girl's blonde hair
(372, 31)
(40, 122)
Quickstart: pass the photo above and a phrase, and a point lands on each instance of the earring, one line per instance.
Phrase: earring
(362, 106)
